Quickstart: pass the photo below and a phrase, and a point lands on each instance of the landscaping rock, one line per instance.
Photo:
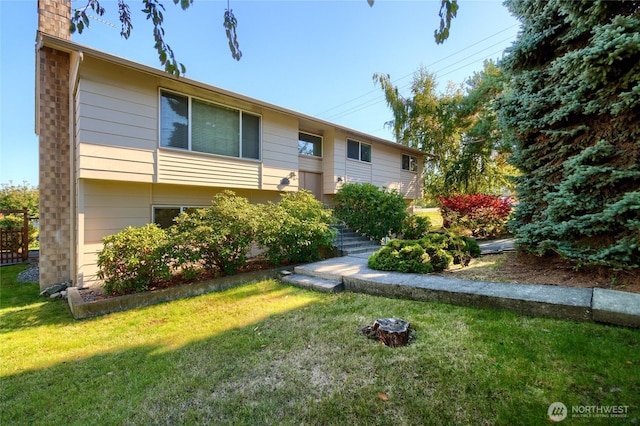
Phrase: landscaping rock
(56, 288)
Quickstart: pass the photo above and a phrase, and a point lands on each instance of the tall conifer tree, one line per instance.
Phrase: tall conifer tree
(573, 111)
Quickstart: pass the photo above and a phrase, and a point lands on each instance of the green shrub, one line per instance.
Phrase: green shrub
(434, 252)
(296, 229)
(402, 256)
(374, 212)
(472, 246)
(133, 259)
(415, 227)
(218, 237)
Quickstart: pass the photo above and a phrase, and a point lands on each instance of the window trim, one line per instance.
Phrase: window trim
(189, 149)
(414, 162)
(360, 144)
(321, 144)
(171, 206)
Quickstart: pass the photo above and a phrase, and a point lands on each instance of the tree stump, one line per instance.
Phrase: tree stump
(391, 332)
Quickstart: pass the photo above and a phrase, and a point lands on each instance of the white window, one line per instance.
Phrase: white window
(358, 151)
(309, 144)
(164, 215)
(200, 126)
(410, 163)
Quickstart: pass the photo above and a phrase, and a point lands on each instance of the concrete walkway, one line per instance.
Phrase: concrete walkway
(580, 304)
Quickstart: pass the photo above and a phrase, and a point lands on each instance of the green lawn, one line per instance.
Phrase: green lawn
(434, 216)
(265, 353)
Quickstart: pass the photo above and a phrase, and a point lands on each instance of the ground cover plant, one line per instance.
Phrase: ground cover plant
(265, 353)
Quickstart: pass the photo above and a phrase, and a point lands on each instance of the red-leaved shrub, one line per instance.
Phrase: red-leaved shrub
(484, 215)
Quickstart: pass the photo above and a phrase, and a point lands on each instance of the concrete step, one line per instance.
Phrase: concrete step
(357, 244)
(312, 283)
(362, 250)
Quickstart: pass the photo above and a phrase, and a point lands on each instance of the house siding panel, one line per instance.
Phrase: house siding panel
(280, 151)
(310, 164)
(106, 208)
(115, 163)
(358, 172)
(117, 107)
(195, 169)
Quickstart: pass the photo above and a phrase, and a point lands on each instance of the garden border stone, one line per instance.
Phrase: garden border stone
(82, 310)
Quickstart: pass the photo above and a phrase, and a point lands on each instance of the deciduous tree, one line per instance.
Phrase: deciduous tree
(458, 128)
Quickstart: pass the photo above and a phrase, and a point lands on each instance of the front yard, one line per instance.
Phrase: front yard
(265, 353)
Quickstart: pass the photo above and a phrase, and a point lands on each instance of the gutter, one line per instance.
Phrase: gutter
(69, 46)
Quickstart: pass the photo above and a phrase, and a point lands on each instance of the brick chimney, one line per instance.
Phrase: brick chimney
(53, 102)
(54, 18)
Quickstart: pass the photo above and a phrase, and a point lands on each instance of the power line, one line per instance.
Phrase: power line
(376, 101)
(430, 65)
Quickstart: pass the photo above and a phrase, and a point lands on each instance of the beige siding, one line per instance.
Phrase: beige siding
(115, 163)
(359, 172)
(179, 167)
(279, 151)
(106, 208)
(388, 164)
(310, 164)
(180, 195)
(329, 166)
(410, 185)
(117, 107)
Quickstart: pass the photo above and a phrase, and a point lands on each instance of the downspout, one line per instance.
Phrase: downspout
(76, 58)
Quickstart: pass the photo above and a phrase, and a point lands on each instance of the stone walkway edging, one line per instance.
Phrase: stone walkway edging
(570, 303)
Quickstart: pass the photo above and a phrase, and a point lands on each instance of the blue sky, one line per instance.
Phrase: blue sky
(314, 57)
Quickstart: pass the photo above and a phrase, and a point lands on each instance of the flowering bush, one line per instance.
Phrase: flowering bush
(484, 215)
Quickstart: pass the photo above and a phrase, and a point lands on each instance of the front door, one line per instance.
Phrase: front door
(312, 182)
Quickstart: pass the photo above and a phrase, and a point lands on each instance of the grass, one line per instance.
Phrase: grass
(435, 217)
(484, 268)
(265, 353)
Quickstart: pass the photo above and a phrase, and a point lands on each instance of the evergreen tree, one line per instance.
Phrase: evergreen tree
(573, 112)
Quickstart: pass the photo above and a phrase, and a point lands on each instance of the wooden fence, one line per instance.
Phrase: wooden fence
(14, 243)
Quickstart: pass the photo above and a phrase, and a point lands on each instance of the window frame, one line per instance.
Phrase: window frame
(190, 99)
(360, 145)
(412, 163)
(182, 208)
(300, 132)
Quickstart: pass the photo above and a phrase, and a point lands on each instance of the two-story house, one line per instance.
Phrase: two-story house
(123, 144)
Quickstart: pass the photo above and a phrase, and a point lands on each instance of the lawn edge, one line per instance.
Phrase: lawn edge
(83, 310)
